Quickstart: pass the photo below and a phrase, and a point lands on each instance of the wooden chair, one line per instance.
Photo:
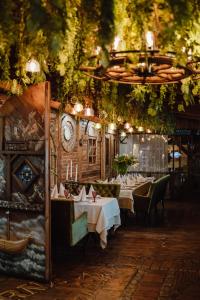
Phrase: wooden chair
(66, 230)
(150, 195)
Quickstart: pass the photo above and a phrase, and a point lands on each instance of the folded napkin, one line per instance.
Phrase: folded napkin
(81, 196)
(90, 191)
(54, 192)
(61, 190)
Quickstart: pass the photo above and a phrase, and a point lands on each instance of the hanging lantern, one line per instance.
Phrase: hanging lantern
(33, 66)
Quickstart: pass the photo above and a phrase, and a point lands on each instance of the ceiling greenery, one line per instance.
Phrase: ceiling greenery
(62, 34)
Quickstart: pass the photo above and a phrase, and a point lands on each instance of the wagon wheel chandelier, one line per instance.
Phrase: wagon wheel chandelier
(152, 67)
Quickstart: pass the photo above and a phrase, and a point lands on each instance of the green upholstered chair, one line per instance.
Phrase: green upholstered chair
(149, 197)
(105, 189)
(66, 230)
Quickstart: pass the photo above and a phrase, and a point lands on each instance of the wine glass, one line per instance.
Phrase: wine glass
(94, 194)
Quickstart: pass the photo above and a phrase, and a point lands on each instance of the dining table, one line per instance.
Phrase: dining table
(126, 198)
(102, 215)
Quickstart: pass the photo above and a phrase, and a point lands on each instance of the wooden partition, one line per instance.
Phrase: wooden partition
(24, 184)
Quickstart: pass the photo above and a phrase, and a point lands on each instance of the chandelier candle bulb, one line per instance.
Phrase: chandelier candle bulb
(150, 40)
(116, 43)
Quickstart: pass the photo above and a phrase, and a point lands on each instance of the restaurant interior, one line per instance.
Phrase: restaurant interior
(100, 149)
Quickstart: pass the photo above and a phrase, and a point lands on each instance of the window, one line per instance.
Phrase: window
(92, 150)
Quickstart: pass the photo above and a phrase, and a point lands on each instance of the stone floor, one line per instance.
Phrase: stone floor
(157, 262)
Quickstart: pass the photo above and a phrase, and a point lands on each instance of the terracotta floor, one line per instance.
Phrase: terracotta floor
(157, 262)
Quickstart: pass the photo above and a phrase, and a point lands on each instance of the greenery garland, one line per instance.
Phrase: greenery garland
(62, 34)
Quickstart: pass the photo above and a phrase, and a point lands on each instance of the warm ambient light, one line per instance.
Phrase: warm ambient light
(97, 126)
(123, 134)
(148, 130)
(88, 112)
(116, 43)
(140, 129)
(127, 125)
(130, 130)
(98, 49)
(112, 126)
(33, 66)
(78, 107)
(149, 40)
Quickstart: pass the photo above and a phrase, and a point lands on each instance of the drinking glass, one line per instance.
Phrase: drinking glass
(94, 194)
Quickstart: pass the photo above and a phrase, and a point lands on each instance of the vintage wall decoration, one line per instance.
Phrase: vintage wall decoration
(68, 133)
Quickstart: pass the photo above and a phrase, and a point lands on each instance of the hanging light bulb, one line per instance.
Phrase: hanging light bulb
(116, 43)
(97, 126)
(149, 40)
(112, 126)
(127, 125)
(148, 130)
(32, 66)
(130, 130)
(88, 112)
(123, 134)
(78, 107)
(140, 129)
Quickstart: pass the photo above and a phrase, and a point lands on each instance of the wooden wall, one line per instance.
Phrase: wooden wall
(84, 129)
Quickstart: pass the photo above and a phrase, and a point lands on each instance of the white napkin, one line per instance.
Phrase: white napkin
(61, 190)
(90, 191)
(81, 196)
(54, 192)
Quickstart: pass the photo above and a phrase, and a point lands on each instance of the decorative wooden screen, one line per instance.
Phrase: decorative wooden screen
(24, 184)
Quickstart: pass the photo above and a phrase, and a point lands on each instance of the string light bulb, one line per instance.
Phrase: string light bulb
(112, 126)
(78, 107)
(33, 66)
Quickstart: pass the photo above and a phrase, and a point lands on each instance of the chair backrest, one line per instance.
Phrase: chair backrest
(105, 189)
(157, 191)
(143, 189)
(65, 229)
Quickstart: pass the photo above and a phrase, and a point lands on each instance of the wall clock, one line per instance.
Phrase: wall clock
(68, 133)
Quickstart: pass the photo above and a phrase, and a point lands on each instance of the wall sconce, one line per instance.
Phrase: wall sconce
(32, 66)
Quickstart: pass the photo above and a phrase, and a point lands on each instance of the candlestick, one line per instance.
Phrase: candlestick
(71, 170)
(76, 174)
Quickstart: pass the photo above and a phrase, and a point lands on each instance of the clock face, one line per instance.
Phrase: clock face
(68, 133)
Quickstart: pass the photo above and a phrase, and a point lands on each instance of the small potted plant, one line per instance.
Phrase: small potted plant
(122, 162)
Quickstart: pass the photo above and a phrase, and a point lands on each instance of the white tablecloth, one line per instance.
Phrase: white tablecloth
(126, 194)
(102, 215)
